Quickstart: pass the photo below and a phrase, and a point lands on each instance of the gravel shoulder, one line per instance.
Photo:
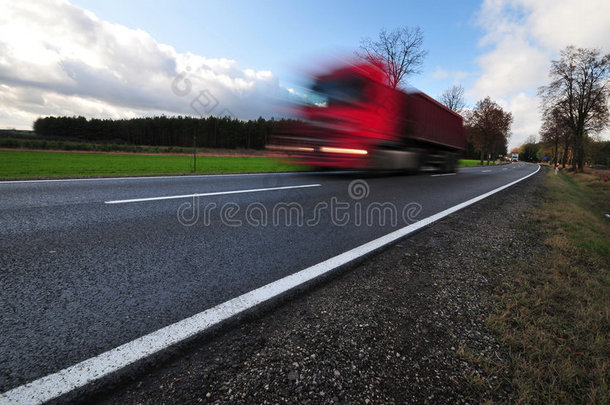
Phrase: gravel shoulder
(407, 325)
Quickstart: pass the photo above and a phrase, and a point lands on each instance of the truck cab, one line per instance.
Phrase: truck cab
(359, 122)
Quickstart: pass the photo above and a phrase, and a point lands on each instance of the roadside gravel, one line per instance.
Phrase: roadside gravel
(408, 325)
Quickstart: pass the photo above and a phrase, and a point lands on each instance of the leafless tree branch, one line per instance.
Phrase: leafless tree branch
(453, 98)
(400, 50)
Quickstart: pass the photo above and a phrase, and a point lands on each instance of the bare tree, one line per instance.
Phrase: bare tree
(488, 126)
(400, 51)
(579, 91)
(453, 98)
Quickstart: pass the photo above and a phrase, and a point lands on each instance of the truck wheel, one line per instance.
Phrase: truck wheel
(449, 163)
(417, 162)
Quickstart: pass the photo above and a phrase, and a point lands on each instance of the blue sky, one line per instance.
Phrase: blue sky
(281, 36)
(122, 59)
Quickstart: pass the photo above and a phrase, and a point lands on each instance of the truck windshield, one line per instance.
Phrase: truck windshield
(338, 91)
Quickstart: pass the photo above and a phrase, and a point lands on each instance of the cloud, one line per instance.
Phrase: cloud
(454, 75)
(521, 38)
(58, 59)
(526, 117)
(440, 74)
(558, 23)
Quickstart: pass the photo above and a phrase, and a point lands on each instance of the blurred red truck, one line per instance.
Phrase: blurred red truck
(358, 122)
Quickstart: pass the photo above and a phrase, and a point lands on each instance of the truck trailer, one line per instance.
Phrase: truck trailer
(359, 122)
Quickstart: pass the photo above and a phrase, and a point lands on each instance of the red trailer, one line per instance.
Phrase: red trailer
(359, 122)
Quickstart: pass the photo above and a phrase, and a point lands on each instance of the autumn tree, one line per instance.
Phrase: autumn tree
(488, 127)
(453, 98)
(555, 131)
(529, 151)
(400, 51)
(579, 92)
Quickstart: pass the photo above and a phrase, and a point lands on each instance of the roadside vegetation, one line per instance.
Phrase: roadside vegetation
(37, 164)
(25, 164)
(472, 162)
(554, 309)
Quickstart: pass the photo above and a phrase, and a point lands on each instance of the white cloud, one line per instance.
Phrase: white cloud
(526, 117)
(511, 67)
(454, 75)
(558, 23)
(440, 74)
(523, 37)
(58, 59)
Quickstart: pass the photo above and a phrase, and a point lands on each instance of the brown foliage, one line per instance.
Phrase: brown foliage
(488, 126)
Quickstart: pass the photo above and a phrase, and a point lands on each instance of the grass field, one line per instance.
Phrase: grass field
(472, 162)
(21, 164)
(554, 313)
(37, 164)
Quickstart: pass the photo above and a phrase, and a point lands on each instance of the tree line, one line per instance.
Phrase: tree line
(596, 152)
(208, 132)
(575, 106)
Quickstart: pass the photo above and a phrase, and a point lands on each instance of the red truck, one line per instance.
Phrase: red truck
(359, 122)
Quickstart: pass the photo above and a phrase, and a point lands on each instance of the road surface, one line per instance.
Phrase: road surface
(89, 265)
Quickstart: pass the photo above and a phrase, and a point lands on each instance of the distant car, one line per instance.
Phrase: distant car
(514, 157)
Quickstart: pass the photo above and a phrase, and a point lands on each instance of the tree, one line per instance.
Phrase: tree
(453, 98)
(579, 92)
(488, 126)
(554, 131)
(529, 151)
(400, 51)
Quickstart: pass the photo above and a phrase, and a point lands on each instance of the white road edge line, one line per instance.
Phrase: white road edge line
(76, 376)
(443, 174)
(173, 197)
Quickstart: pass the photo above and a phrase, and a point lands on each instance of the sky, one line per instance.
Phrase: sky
(122, 59)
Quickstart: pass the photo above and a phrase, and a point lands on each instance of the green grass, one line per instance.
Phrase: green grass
(472, 162)
(35, 164)
(554, 311)
(21, 164)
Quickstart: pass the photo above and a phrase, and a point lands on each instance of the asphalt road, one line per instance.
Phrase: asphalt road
(87, 265)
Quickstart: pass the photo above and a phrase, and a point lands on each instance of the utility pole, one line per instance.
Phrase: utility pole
(194, 155)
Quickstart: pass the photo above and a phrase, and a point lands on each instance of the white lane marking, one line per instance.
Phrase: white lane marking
(485, 171)
(173, 197)
(76, 376)
(444, 174)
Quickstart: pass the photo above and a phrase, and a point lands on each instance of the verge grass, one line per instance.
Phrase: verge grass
(473, 162)
(36, 164)
(554, 311)
(21, 164)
